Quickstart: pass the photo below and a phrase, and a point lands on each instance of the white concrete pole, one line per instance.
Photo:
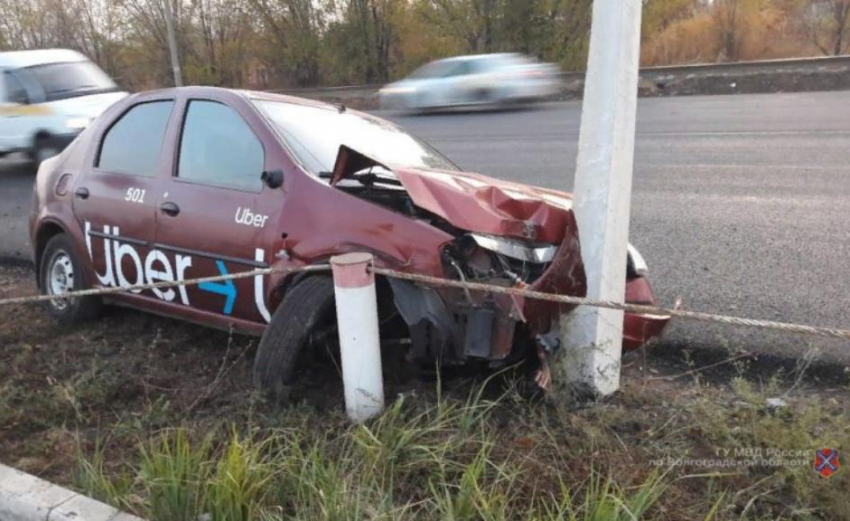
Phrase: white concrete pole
(359, 342)
(590, 360)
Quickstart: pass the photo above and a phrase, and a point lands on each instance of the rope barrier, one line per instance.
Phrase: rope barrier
(163, 284)
(631, 308)
(841, 334)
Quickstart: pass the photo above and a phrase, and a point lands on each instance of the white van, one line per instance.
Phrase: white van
(47, 97)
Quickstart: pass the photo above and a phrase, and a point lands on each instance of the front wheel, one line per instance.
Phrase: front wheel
(42, 150)
(61, 271)
(304, 320)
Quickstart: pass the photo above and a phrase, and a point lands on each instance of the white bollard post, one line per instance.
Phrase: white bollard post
(590, 363)
(359, 342)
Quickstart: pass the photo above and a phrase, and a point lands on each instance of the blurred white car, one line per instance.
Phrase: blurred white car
(47, 97)
(483, 79)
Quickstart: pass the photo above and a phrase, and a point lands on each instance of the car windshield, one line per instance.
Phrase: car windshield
(314, 134)
(67, 80)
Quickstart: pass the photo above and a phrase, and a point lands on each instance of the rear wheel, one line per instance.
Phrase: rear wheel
(303, 325)
(483, 96)
(61, 271)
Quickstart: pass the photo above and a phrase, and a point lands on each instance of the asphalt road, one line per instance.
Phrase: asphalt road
(740, 205)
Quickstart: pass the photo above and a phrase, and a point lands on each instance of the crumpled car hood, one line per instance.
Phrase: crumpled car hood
(481, 204)
(474, 202)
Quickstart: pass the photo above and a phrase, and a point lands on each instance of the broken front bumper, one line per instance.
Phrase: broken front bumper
(640, 328)
(565, 276)
(454, 324)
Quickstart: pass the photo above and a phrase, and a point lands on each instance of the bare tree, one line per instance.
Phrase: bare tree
(30, 24)
(727, 15)
(292, 30)
(828, 22)
(223, 35)
(470, 20)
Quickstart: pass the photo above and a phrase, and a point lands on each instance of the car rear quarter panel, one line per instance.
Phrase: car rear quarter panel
(51, 211)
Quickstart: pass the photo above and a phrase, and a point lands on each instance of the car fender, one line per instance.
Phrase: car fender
(286, 275)
(396, 241)
(56, 210)
(39, 241)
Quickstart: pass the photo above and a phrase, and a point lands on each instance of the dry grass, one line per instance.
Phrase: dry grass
(158, 418)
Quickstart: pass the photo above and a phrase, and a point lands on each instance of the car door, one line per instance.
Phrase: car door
(216, 217)
(478, 83)
(115, 198)
(458, 82)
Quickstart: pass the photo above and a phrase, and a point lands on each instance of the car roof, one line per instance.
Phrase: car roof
(18, 59)
(471, 57)
(250, 95)
(271, 96)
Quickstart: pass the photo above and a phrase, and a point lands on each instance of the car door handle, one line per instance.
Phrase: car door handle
(82, 193)
(170, 209)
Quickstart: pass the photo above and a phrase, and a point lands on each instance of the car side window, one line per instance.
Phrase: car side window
(480, 66)
(15, 91)
(218, 148)
(133, 143)
(461, 69)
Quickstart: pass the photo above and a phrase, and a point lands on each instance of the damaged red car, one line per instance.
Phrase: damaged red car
(178, 184)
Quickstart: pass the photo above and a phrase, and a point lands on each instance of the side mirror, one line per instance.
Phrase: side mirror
(273, 178)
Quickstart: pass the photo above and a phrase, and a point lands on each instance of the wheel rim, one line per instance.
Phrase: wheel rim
(60, 278)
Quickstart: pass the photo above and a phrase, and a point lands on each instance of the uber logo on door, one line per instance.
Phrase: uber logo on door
(248, 218)
(156, 266)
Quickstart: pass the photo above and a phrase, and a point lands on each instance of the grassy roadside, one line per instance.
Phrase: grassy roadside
(440, 457)
(158, 417)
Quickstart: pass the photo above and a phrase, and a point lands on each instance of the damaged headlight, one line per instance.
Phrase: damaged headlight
(637, 264)
(537, 253)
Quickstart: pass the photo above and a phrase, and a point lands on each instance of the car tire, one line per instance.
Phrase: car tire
(483, 96)
(305, 307)
(61, 270)
(41, 151)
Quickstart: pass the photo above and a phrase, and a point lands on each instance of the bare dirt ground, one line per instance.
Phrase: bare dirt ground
(100, 391)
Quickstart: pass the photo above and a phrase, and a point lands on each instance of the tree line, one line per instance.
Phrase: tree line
(270, 44)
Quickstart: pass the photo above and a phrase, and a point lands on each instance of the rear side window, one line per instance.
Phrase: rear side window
(484, 65)
(464, 68)
(218, 148)
(132, 145)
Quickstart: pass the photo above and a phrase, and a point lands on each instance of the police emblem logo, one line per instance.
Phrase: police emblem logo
(826, 462)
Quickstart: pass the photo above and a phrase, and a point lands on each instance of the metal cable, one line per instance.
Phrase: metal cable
(841, 334)
(163, 284)
(631, 308)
